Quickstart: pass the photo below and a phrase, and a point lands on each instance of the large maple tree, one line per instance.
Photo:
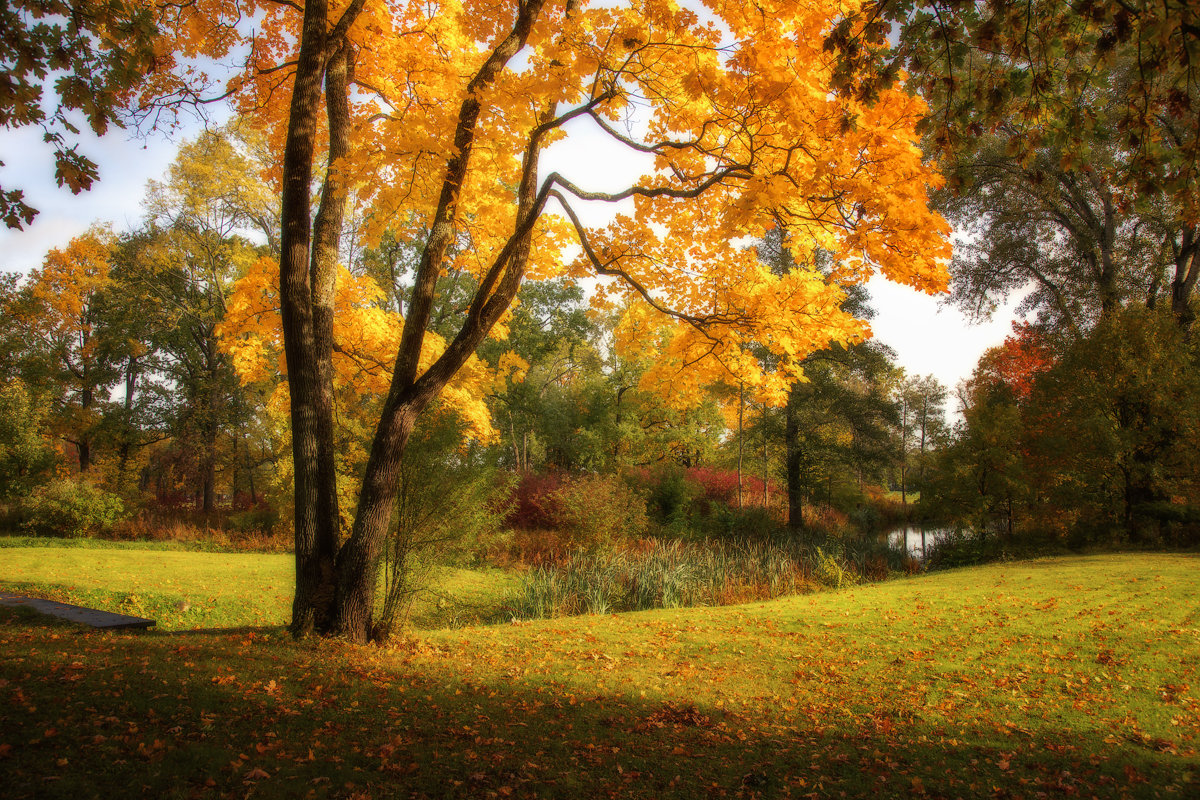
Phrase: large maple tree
(436, 116)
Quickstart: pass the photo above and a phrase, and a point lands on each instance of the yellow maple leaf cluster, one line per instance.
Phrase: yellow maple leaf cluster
(366, 338)
(729, 107)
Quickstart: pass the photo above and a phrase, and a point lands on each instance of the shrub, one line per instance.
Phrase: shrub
(70, 508)
(831, 572)
(720, 487)
(751, 522)
(255, 519)
(969, 547)
(517, 546)
(209, 534)
(866, 517)
(449, 508)
(598, 511)
(671, 495)
(531, 505)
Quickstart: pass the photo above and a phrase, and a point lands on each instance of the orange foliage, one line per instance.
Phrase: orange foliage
(1018, 361)
(729, 113)
(366, 337)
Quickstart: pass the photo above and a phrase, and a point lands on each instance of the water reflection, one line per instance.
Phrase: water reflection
(915, 539)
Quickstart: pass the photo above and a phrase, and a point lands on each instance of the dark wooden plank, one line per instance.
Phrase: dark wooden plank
(85, 616)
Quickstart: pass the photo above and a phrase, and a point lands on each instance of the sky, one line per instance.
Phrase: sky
(929, 337)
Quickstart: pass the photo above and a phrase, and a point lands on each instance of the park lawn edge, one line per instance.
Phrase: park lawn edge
(969, 683)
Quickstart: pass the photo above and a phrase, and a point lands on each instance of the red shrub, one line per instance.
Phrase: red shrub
(533, 505)
(721, 486)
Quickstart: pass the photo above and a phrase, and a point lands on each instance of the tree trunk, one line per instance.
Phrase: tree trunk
(903, 449)
(512, 429)
(250, 475)
(741, 439)
(126, 446)
(208, 481)
(310, 607)
(1106, 284)
(766, 473)
(85, 453)
(327, 228)
(1183, 282)
(409, 394)
(792, 456)
(85, 443)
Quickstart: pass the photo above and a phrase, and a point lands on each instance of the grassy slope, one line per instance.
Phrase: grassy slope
(1072, 677)
(188, 590)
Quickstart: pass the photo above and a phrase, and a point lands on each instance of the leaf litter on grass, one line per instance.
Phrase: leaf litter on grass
(963, 684)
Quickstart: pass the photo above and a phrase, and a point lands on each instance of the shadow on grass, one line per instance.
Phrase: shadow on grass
(233, 630)
(238, 716)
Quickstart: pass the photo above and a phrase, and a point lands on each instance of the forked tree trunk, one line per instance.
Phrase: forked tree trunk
(409, 394)
(327, 227)
(307, 327)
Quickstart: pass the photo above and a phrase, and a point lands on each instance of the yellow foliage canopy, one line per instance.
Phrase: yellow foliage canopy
(366, 337)
(728, 107)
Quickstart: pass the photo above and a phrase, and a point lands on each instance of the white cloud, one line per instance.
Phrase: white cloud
(930, 337)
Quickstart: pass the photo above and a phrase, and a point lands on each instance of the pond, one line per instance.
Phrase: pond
(915, 539)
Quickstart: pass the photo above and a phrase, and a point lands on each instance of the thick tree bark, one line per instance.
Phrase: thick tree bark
(327, 228)
(299, 340)
(307, 329)
(410, 394)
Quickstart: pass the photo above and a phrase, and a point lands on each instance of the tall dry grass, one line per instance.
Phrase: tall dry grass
(674, 574)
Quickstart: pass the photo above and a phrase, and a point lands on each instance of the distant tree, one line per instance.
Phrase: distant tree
(183, 266)
(840, 424)
(551, 344)
(139, 416)
(27, 455)
(921, 404)
(1111, 426)
(1073, 155)
(62, 309)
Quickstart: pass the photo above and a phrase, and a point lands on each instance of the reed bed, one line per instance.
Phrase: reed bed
(679, 573)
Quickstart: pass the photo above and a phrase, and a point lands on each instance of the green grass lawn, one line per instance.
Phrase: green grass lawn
(1075, 677)
(190, 590)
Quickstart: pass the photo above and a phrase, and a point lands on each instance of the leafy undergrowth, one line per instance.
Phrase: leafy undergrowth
(189, 590)
(1072, 678)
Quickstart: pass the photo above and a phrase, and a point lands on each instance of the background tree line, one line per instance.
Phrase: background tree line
(1071, 159)
(126, 382)
(273, 326)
